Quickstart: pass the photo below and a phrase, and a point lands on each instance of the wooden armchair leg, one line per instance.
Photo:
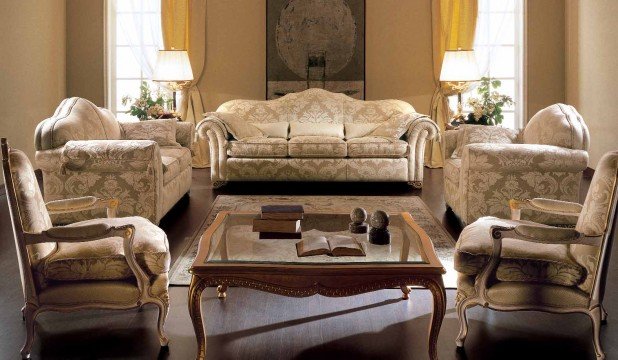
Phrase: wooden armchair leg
(164, 308)
(462, 306)
(595, 316)
(30, 313)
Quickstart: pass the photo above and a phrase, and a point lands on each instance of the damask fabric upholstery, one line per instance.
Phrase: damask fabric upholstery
(76, 119)
(394, 127)
(475, 134)
(353, 131)
(318, 106)
(317, 147)
(521, 260)
(111, 166)
(174, 160)
(525, 294)
(319, 129)
(595, 215)
(258, 148)
(274, 130)
(123, 292)
(238, 127)
(104, 259)
(558, 125)
(32, 211)
(376, 147)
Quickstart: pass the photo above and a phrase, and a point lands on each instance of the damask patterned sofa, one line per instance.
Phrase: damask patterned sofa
(486, 166)
(83, 150)
(316, 135)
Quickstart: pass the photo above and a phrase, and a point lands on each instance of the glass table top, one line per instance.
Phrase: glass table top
(234, 241)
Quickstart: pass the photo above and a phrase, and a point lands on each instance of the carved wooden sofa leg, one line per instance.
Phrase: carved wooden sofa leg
(416, 184)
(218, 184)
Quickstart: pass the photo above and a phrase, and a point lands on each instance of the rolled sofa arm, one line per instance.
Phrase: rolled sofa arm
(212, 129)
(110, 155)
(421, 129)
(523, 157)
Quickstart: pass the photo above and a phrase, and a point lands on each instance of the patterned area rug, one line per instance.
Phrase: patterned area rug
(443, 242)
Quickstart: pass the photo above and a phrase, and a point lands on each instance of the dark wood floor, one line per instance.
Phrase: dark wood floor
(254, 325)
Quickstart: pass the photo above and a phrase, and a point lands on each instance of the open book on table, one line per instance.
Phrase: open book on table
(336, 245)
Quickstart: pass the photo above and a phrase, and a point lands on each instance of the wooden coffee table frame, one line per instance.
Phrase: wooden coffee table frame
(300, 280)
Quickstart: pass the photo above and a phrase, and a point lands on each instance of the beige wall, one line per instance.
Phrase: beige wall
(86, 50)
(398, 51)
(32, 67)
(592, 74)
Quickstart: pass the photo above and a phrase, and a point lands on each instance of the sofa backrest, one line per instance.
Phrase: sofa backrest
(76, 119)
(558, 125)
(316, 106)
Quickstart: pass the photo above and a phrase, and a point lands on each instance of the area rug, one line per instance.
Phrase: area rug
(443, 242)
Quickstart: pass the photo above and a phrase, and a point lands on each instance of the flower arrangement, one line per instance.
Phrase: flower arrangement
(487, 110)
(146, 107)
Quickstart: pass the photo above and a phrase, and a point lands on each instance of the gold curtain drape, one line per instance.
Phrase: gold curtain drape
(453, 26)
(184, 27)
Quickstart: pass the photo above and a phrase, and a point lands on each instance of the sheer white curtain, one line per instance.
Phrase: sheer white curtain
(139, 25)
(494, 27)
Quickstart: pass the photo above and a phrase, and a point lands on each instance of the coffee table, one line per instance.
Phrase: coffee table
(230, 254)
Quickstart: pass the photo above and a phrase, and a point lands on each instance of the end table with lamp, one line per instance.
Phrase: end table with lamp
(174, 68)
(459, 69)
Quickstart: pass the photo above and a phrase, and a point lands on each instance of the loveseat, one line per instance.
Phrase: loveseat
(316, 135)
(486, 166)
(83, 150)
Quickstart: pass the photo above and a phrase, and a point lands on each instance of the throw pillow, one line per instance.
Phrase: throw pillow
(478, 134)
(316, 129)
(353, 131)
(238, 127)
(161, 131)
(274, 130)
(394, 127)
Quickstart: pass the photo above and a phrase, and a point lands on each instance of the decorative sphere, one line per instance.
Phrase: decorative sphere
(379, 219)
(358, 215)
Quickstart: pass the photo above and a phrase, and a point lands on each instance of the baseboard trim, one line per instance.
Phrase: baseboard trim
(588, 173)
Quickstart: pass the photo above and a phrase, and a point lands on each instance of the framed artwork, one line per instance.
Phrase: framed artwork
(315, 44)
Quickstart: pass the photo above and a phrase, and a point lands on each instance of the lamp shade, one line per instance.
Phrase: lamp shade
(172, 65)
(459, 65)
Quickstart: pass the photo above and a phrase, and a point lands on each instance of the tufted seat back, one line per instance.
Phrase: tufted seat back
(558, 125)
(76, 119)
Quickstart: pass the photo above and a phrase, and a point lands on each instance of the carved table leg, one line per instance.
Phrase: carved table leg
(436, 286)
(195, 310)
(221, 289)
(406, 292)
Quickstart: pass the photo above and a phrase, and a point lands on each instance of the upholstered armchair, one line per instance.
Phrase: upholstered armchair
(486, 166)
(510, 265)
(109, 263)
(83, 150)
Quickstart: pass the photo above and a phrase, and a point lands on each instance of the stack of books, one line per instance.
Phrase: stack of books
(279, 222)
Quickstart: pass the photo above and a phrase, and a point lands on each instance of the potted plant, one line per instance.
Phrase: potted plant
(487, 109)
(146, 107)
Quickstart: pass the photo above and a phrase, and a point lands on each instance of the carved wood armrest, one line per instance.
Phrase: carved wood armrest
(550, 206)
(83, 203)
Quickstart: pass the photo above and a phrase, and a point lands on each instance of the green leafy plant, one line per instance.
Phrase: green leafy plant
(146, 107)
(487, 108)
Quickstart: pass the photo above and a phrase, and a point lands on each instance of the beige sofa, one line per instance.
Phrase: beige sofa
(307, 137)
(83, 150)
(486, 166)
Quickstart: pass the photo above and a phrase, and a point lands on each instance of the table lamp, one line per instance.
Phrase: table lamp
(173, 67)
(459, 68)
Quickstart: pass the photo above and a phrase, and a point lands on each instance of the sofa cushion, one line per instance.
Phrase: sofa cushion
(353, 130)
(174, 160)
(475, 134)
(394, 127)
(104, 259)
(521, 260)
(258, 148)
(376, 147)
(238, 127)
(274, 130)
(316, 129)
(161, 131)
(317, 146)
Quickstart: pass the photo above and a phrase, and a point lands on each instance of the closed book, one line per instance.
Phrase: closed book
(276, 236)
(282, 212)
(280, 226)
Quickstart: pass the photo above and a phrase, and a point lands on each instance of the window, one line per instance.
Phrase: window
(499, 50)
(133, 38)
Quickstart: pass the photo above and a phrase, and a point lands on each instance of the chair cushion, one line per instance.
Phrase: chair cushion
(521, 260)
(258, 148)
(317, 147)
(368, 147)
(316, 129)
(104, 259)
(174, 160)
